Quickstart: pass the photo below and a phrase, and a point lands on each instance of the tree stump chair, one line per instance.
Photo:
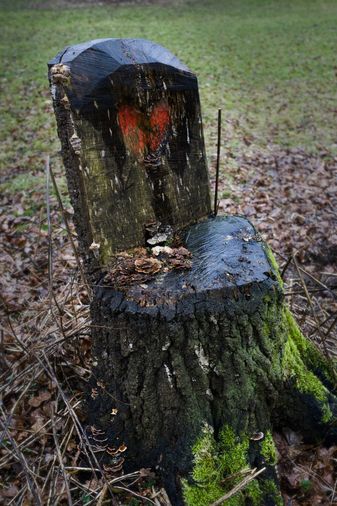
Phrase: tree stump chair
(197, 358)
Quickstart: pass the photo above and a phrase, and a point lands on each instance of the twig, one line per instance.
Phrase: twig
(131, 492)
(300, 292)
(311, 307)
(217, 165)
(79, 468)
(59, 456)
(81, 433)
(330, 328)
(239, 474)
(102, 494)
(315, 328)
(310, 275)
(238, 487)
(285, 267)
(17, 500)
(50, 251)
(70, 235)
(35, 435)
(31, 482)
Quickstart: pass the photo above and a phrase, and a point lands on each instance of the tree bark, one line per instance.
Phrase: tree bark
(129, 121)
(204, 347)
(196, 359)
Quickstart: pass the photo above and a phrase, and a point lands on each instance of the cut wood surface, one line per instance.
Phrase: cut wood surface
(196, 357)
(200, 349)
(174, 350)
(129, 120)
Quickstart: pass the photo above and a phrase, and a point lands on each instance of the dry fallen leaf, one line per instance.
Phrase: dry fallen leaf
(35, 402)
(9, 492)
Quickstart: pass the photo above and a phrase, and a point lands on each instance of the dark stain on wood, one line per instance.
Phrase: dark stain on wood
(136, 110)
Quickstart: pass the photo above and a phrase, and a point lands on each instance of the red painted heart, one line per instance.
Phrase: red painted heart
(144, 134)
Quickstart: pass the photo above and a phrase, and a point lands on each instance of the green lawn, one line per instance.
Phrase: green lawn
(269, 64)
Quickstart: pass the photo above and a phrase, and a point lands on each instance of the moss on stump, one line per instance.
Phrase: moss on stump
(196, 363)
(194, 358)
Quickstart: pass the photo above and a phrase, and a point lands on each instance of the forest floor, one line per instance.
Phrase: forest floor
(271, 67)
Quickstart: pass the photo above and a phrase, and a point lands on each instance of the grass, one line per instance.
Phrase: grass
(269, 65)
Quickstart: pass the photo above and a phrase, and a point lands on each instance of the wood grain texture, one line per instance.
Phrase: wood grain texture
(135, 136)
(206, 345)
(176, 354)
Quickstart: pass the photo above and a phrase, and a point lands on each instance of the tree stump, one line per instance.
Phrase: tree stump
(196, 357)
(186, 353)
(129, 121)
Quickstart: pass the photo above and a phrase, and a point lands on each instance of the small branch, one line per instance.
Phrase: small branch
(285, 267)
(330, 328)
(311, 276)
(78, 468)
(300, 292)
(102, 494)
(217, 165)
(50, 252)
(59, 456)
(131, 492)
(318, 323)
(238, 487)
(80, 431)
(31, 482)
(324, 322)
(70, 235)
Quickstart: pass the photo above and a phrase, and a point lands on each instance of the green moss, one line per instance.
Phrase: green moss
(271, 491)
(233, 451)
(218, 463)
(298, 358)
(301, 359)
(273, 263)
(253, 491)
(216, 470)
(268, 449)
(311, 355)
(206, 473)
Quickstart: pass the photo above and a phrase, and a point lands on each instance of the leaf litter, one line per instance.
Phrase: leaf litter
(291, 198)
(45, 365)
(45, 335)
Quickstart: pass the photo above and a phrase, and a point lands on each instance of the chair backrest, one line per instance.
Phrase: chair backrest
(129, 120)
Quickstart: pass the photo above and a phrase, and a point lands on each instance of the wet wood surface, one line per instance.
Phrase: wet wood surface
(131, 131)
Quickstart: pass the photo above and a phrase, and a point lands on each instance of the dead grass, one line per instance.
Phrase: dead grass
(48, 456)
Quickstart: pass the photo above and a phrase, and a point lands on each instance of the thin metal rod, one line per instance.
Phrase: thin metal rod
(217, 165)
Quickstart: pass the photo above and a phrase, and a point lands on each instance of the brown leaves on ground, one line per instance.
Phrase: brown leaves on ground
(290, 196)
(45, 347)
(36, 401)
(307, 472)
(24, 254)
